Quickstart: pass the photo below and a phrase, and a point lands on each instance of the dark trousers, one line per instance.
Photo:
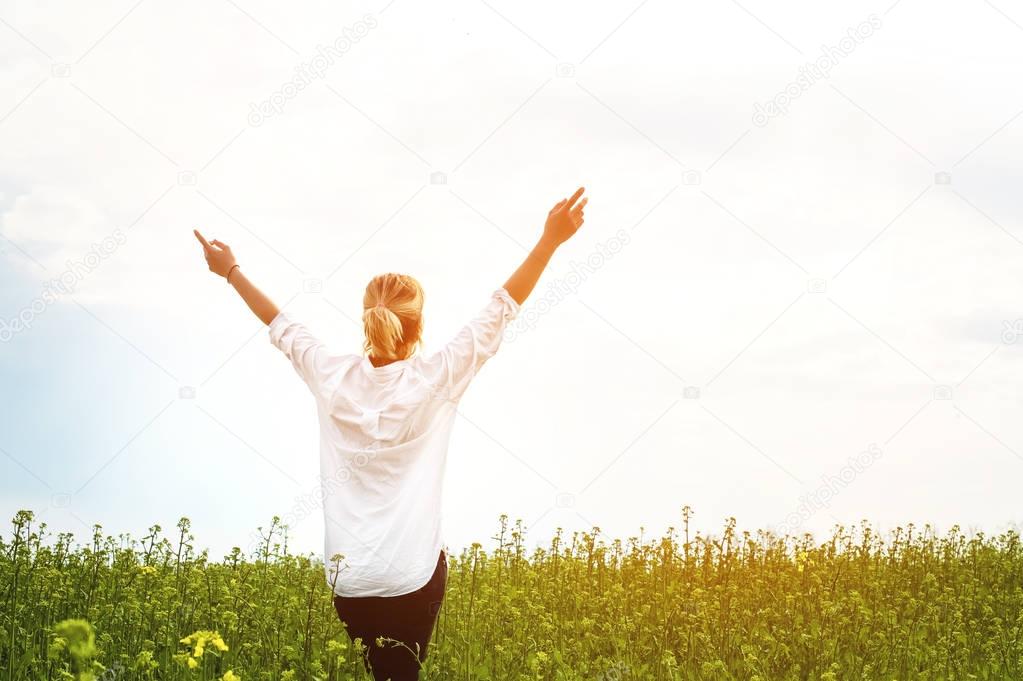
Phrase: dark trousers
(408, 618)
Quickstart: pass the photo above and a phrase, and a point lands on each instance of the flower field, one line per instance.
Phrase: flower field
(911, 604)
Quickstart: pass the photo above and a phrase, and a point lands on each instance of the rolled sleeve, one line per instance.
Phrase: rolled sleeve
(299, 345)
(477, 342)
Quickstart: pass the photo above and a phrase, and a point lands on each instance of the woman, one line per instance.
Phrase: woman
(385, 421)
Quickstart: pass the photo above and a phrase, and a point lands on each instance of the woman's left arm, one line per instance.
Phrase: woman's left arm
(222, 263)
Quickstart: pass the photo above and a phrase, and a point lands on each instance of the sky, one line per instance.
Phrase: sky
(795, 301)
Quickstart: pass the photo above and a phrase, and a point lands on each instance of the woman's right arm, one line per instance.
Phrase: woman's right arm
(563, 221)
(451, 369)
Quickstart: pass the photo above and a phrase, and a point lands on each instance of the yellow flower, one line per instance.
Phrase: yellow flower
(200, 639)
(192, 664)
(231, 676)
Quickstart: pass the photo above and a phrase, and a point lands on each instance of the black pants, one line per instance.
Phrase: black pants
(408, 618)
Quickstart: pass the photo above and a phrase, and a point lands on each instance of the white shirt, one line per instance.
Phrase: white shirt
(384, 435)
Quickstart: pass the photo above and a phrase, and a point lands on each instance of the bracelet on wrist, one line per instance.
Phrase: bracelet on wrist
(228, 275)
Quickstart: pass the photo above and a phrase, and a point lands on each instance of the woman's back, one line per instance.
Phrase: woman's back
(384, 435)
(385, 422)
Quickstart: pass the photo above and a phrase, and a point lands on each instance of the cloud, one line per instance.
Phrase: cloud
(54, 223)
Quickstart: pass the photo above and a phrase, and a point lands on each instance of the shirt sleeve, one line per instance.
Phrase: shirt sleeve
(306, 352)
(478, 341)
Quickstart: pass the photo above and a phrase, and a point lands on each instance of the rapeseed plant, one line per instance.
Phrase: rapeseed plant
(856, 606)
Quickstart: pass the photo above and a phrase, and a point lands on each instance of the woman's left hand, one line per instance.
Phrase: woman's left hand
(218, 255)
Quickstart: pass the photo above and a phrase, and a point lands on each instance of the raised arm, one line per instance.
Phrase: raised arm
(562, 222)
(222, 262)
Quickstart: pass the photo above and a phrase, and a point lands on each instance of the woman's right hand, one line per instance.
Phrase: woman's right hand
(565, 218)
(563, 221)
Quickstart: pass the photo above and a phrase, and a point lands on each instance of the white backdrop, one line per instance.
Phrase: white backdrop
(795, 299)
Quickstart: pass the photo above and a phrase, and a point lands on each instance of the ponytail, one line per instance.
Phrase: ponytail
(392, 316)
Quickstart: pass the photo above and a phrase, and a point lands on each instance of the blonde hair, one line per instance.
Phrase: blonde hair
(392, 316)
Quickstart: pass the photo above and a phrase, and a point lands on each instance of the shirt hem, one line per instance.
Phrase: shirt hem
(383, 592)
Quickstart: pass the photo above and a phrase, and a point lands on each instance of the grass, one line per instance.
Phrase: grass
(910, 605)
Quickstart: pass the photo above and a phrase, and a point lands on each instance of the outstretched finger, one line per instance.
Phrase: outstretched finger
(579, 206)
(202, 240)
(220, 244)
(575, 197)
